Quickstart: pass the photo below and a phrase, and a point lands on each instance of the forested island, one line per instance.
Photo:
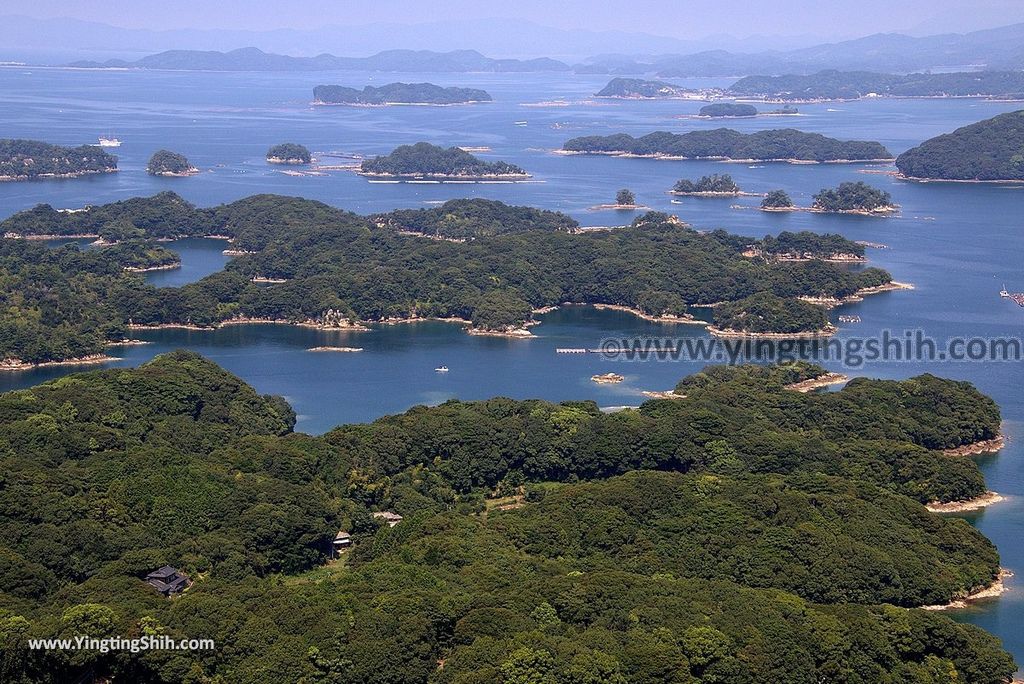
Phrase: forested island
(340, 269)
(727, 110)
(766, 314)
(742, 533)
(990, 150)
(777, 200)
(853, 198)
(289, 153)
(726, 144)
(852, 85)
(638, 88)
(707, 186)
(33, 159)
(172, 164)
(398, 93)
(426, 160)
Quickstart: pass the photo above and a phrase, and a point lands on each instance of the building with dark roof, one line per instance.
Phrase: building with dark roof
(168, 580)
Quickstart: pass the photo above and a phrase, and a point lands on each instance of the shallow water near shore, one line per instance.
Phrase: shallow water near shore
(957, 243)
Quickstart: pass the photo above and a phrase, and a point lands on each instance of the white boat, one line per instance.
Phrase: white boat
(441, 369)
(109, 142)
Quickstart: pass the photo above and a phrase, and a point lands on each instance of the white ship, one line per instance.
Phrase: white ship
(109, 142)
(441, 369)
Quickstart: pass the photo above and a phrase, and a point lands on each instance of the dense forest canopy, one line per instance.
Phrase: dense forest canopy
(424, 159)
(167, 163)
(366, 269)
(398, 93)
(777, 199)
(851, 85)
(765, 312)
(761, 552)
(24, 159)
(852, 197)
(707, 185)
(724, 143)
(289, 153)
(727, 109)
(990, 150)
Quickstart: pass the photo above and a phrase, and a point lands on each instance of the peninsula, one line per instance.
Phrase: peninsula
(988, 151)
(331, 268)
(424, 160)
(398, 94)
(549, 548)
(32, 159)
(724, 144)
(640, 89)
(852, 85)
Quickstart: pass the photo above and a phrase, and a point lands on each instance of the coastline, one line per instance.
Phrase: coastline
(321, 103)
(52, 176)
(192, 171)
(825, 380)
(992, 590)
(668, 319)
(985, 446)
(669, 157)
(335, 349)
(827, 331)
(19, 365)
(711, 194)
(289, 161)
(916, 179)
(147, 269)
(975, 504)
(470, 177)
(859, 295)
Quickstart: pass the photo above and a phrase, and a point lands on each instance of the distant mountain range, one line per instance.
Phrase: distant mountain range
(254, 59)
(1000, 48)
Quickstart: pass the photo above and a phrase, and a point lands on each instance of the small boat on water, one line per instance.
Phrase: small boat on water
(109, 142)
(441, 369)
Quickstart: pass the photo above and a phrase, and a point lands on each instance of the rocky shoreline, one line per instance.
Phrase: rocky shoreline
(669, 157)
(827, 331)
(985, 446)
(996, 588)
(825, 380)
(975, 504)
(19, 365)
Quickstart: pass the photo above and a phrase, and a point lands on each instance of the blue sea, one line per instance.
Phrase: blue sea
(958, 244)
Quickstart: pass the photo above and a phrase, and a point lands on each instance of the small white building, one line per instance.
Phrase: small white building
(388, 517)
(342, 541)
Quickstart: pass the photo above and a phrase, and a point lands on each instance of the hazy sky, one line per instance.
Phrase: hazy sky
(676, 18)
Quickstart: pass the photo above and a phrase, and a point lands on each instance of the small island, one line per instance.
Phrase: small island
(767, 315)
(640, 89)
(33, 159)
(607, 378)
(424, 160)
(725, 144)
(727, 110)
(289, 153)
(708, 186)
(988, 151)
(170, 164)
(854, 198)
(397, 94)
(777, 200)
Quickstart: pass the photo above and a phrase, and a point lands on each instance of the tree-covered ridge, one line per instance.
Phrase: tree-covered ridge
(167, 163)
(853, 197)
(27, 159)
(824, 539)
(398, 93)
(366, 269)
(424, 159)
(707, 185)
(765, 312)
(464, 219)
(724, 143)
(808, 245)
(727, 109)
(640, 88)
(990, 150)
(289, 153)
(648, 577)
(851, 85)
